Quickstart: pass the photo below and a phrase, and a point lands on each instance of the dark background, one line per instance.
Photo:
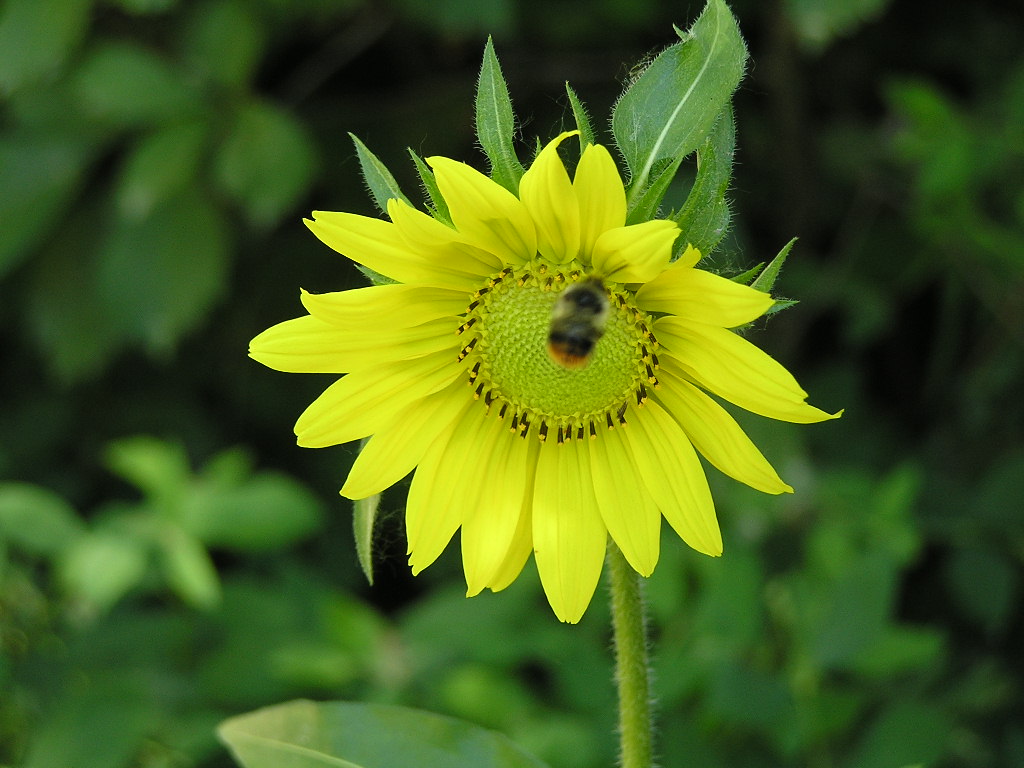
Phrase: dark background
(169, 558)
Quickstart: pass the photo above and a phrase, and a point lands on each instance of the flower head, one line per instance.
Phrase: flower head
(448, 372)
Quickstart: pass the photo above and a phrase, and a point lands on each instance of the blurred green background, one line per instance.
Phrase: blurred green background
(169, 558)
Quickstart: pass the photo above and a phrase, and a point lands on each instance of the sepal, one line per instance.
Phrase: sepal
(379, 180)
(496, 122)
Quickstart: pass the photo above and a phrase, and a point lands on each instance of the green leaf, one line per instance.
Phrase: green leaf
(126, 85)
(704, 217)
(816, 24)
(36, 519)
(158, 276)
(858, 613)
(266, 162)
(305, 734)
(646, 206)
(38, 177)
(902, 650)
(159, 469)
(766, 280)
(496, 122)
(78, 338)
(102, 566)
(36, 38)
(462, 20)
(438, 204)
(579, 113)
(668, 110)
(379, 180)
(115, 712)
(984, 585)
(904, 733)
(159, 165)
(747, 277)
(779, 305)
(225, 59)
(189, 570)
(269, 511)
(364, 515)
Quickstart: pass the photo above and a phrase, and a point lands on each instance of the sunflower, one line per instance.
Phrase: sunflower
(448, 373)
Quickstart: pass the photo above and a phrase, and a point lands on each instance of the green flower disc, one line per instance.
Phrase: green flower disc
(514, 323)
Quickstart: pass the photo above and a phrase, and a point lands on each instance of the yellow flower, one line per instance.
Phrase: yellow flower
(447, 372)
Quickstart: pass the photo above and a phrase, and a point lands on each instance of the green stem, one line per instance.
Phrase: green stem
(631, 670)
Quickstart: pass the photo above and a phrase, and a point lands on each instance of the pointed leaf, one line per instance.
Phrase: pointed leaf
(437, 202)
(646, 205)
(378, 178)
(306, 734)
(745, 278)
(766, 279)
(579, 112)
(365, 513)
(670, 108)
(704, 217)
(779, 305)
(496, 123)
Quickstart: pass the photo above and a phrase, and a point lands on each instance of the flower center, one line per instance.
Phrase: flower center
(506, 333)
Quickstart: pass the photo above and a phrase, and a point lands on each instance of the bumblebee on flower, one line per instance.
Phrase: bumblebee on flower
(545, 369)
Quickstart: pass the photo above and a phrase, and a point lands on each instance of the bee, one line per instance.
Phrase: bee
(577, 323)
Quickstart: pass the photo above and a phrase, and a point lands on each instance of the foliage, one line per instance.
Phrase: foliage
(155, 159)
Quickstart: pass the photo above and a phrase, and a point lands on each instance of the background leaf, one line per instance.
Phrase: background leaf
(127, 85)
(158, 276)
(266, 162)
(303, 733)
(39, 175)
(159, 165)
(37, 37)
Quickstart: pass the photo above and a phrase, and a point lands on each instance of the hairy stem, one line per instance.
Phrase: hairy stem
(631, 670)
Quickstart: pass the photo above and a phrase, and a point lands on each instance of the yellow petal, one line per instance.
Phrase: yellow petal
(694, 294)
(602, 200)
(519, 551)
(400, 306)
(634, 254)
(627, 509)
(444, 490)
(548, 195)
(688, 258)
(733, 368)
(364, 401)
(309, 345)
(716, 434)
(485, 213)
(671, 472)
(379, 245)
(396, 449)
(488, 531)
(521, 546)
(438, 242)
(569, 539)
